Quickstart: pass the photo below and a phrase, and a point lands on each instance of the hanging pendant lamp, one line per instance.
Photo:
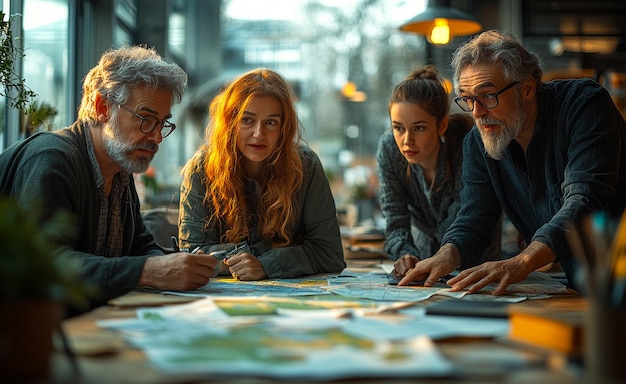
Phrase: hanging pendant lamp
(440, 23)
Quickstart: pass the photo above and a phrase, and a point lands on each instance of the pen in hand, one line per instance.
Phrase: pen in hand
(220, 256)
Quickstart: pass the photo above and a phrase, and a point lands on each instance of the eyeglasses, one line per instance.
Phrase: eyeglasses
(149, 123)
(486, 100)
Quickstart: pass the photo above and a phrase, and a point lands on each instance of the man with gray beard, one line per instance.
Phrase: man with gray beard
(548, 154)
(86, 171)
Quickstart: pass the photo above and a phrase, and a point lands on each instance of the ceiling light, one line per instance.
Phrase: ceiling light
(440, 23)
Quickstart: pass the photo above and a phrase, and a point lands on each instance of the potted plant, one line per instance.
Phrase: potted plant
(36, 282)
(38, 118)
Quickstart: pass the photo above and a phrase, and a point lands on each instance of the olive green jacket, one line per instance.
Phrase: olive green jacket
(317, 247)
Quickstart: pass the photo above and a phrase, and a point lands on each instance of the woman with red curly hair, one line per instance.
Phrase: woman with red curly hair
(254, 191)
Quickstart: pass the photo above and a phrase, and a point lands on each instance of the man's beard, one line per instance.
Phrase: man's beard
(120, 150)
(497, 142)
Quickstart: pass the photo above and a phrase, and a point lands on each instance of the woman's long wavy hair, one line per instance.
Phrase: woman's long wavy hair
(224, 168)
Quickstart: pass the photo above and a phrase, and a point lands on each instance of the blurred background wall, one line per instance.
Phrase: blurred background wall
(342, 57)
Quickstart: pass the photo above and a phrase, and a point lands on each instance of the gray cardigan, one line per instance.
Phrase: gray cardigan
(317, 248)
(53, 171)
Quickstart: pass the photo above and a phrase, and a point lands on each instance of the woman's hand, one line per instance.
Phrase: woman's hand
(403, 265)
(431, 269)
(245, 267)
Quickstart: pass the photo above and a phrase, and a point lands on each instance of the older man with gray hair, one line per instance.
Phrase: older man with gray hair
(86, 170)
(548, 154)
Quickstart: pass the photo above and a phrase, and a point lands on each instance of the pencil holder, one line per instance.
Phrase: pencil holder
(605, 340)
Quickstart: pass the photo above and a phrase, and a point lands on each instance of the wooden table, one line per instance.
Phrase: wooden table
(102, 357)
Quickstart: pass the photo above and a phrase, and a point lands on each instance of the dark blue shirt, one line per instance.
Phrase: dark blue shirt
(575, 164)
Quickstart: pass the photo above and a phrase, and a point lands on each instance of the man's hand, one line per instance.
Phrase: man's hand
(442, 263)
(180, 271)
(503, 272)
(403, 265)
(245, 266)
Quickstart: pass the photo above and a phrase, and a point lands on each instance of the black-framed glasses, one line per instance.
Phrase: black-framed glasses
(486, 100)
(149, 123)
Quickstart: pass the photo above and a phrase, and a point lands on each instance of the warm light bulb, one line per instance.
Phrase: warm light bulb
(349, 89)
(441, 32)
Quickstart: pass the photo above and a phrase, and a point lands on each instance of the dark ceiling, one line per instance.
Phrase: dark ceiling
(570, 33)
